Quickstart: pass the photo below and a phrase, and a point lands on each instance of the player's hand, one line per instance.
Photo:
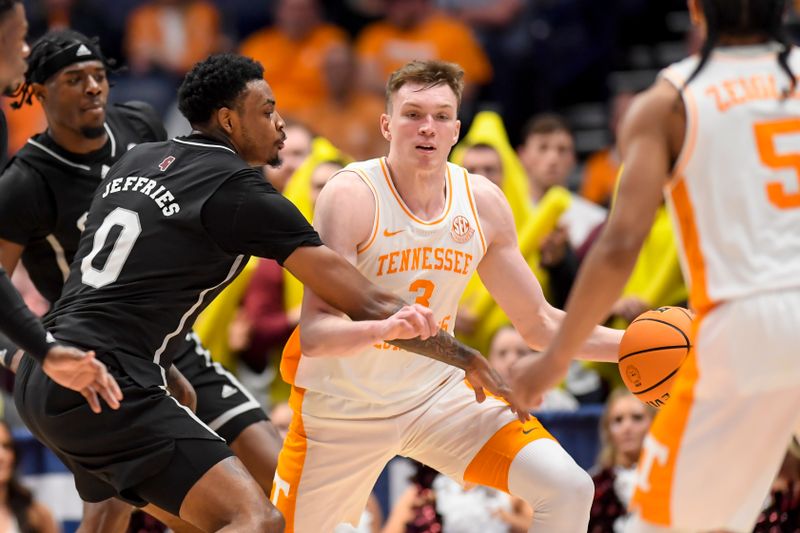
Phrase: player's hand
(534, 375)
(82, 372)
(410, 322)
(482, 376)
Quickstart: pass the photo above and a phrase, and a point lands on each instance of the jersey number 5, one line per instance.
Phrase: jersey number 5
(120, 247)
(765, 133)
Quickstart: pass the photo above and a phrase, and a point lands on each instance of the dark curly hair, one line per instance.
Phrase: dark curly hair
(214, 83)
(745, 18)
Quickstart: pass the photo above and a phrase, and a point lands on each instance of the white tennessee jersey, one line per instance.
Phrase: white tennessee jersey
(427, 262)
(735, 193)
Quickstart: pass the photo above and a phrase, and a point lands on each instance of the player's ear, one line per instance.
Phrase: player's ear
(225, 119)
(457, 132)
(385, 127)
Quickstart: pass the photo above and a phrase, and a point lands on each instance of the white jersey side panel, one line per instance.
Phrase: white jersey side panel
(735, 196)
(427, 262)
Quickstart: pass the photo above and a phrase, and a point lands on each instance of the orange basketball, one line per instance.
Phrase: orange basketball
(652, 350)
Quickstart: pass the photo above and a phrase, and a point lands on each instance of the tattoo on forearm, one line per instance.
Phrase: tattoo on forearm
(442, 347)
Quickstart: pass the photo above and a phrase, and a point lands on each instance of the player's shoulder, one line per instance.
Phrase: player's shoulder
(485, 191)
(142, 117)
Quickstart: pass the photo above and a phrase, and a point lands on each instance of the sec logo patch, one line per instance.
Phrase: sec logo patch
(461, 230)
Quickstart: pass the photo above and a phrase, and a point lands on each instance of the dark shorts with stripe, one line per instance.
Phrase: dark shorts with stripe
(222, 402)
(150, 450)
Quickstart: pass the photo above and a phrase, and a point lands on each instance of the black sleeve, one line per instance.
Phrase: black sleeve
(25, 204)
(145, 120)
(246, 215)
(19, 323)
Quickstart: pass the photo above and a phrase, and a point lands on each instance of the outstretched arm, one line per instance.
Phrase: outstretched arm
(512, 284)
(647, 156)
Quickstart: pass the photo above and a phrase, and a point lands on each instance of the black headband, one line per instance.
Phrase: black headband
(76, 52)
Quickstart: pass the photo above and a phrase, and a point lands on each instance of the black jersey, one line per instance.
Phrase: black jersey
(170, 226)
(45, 192)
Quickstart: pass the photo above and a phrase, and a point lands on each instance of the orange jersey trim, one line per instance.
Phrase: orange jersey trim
(474, 211)
(698, 294)
(376, 222)
(402, 204)
(290, 462)
(290, 359)
(668, 430)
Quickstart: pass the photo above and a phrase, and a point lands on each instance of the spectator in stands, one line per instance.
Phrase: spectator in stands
(602, 167)
(436, 504)
(296, 148)
(293, 52)
(414, 29)
(171, 35)
(348, 116)
(548, 155)
(623, 427)
(484, 159)
(163, 39)
(19, 512)
(782, 508)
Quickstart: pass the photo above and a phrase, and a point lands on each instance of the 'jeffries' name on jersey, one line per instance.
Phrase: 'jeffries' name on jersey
(146, 186)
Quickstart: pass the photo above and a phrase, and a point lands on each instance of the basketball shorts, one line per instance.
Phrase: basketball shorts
(222, 401)
(150, 450)
(714, 449)
(327, 467)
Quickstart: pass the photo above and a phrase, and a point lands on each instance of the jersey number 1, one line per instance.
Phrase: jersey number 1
(121, 247)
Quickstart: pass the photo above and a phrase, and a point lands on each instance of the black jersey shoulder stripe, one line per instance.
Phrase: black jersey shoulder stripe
(51, 153)
(204, 145)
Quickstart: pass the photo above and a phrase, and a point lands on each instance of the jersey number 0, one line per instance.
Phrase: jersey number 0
(128, 221)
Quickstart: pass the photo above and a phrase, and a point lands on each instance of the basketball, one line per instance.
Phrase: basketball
(652, 350)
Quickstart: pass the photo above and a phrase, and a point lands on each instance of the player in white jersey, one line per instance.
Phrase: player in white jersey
(720, 134)
(415, 224)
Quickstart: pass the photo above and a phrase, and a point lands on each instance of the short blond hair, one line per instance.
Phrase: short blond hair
(428, 73)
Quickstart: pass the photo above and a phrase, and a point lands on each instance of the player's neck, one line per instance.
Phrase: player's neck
(76, 142)
(741, 40)
(422, 190)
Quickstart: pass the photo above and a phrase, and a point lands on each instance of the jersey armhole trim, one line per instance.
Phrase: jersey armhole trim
(471, 199)
(376, 223)
(690, 136)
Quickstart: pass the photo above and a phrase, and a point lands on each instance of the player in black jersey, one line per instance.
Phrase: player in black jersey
(44, 196)
(171, 224)
(66, 365)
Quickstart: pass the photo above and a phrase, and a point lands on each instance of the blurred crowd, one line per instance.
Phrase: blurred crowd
(547, 83)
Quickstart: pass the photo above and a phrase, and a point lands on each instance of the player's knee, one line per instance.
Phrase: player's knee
(578, 488)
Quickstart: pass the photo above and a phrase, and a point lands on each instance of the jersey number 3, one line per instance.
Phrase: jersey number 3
(765, 133)
(121, 246)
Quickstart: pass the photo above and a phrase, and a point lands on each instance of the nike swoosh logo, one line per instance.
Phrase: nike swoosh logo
(387, 233)
(526, 431)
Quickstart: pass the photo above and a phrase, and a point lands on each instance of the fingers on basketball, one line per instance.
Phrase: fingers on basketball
(652, 351)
